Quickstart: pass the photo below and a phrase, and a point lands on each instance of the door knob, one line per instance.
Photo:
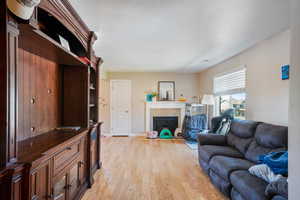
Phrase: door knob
(32, 100)
(126, 111)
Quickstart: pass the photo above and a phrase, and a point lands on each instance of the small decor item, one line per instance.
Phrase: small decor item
(166, 90)
(182, 98)
(22, 8)
(64, 42)
(150, 96)
(285, 72)
(152, 134)
(178, 132)
(85, 60)
(165, 133)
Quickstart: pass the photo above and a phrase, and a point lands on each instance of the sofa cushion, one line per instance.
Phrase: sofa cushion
(271, 136)
(206, 152)
(235, 195)
(204, 165)
(249, 186)
(223, 166)
(223, 185)
(268, 138)
(243, 128)
(241, 134)
(212, 139)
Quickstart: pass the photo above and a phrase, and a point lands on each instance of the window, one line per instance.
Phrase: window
(229, 90)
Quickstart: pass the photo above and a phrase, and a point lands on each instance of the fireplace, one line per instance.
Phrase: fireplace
(163, 105)
(165, 122)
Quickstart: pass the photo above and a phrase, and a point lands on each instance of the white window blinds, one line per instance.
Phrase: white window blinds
(234, 82)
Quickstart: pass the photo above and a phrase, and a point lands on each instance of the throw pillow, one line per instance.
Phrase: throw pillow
(264, 172)
(224, 127)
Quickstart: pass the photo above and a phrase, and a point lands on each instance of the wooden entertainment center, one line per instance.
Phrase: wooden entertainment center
(49, 127)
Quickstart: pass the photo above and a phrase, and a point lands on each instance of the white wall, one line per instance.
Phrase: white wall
(267, 95)
(186, 84)
(294, 121)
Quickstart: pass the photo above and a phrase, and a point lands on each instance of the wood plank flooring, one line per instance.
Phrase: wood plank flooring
(135, 168)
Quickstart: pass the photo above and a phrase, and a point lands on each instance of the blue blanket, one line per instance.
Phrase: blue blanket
(277, 161)
(192, 126)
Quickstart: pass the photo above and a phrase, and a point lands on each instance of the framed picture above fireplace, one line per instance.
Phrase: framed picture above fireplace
(166, 90)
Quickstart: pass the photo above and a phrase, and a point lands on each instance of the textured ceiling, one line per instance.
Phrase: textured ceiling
(179, 35)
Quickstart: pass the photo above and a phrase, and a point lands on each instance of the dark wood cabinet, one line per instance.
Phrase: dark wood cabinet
(74, 179)
(17, 182)
(68, 182)
(62, 158)
(40, 183)
(60, 186)
(61, 172)
(44, 89)
(12, 185)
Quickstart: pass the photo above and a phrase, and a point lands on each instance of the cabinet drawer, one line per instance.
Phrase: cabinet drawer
(63, 158)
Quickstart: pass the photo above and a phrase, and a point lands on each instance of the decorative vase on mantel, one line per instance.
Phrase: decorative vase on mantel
(154, 99)
(149, 97)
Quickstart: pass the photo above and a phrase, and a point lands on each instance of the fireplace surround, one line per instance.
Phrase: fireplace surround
(163, 105)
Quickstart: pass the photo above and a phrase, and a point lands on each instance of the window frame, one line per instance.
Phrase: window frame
(230, 92)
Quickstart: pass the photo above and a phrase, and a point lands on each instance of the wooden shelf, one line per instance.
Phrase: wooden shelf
(67, 57)
(53, 50)
(36, 147)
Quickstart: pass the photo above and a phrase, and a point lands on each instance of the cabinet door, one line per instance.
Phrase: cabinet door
(74, 179)
(60, 187)
(40, 182)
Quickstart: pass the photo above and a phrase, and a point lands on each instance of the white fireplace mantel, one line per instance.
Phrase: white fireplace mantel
(164, 105)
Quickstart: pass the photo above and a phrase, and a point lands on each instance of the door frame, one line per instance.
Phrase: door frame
(129, 109)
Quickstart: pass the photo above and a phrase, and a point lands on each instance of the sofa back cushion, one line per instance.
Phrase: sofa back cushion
(241, 134)
(268, 138)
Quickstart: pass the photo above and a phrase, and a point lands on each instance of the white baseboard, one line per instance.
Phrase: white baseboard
(138, 134)
(132, 134)
(106, 134)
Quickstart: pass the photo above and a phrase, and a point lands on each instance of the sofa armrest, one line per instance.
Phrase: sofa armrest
(212, 139)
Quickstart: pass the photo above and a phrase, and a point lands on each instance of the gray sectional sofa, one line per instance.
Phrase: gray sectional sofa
(226, 159)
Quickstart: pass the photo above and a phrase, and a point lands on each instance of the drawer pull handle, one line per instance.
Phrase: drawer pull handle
(69, 148)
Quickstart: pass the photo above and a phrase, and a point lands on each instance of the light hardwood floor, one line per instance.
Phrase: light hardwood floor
(135, 168)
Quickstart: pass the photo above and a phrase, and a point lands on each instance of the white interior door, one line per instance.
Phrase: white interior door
(120, 91)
